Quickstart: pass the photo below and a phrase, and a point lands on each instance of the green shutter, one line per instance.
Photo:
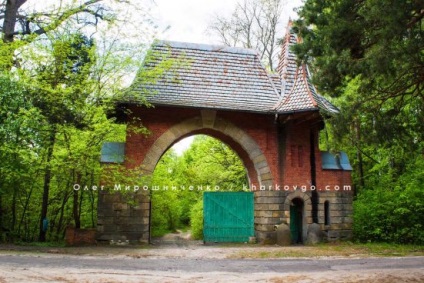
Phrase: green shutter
(113, 152)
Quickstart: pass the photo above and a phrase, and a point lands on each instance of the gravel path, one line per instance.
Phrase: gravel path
(198, 263)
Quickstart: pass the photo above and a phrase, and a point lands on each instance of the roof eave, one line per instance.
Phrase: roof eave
(286, 112)
(258, 111)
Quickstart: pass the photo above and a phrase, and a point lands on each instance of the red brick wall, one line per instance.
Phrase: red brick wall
(75, 237)
(158, 120)
(334, 180)
(297, 171)
(290, 166)
(263, 130)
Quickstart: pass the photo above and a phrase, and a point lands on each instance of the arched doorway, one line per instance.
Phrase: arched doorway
(296, 220)
(180, 181)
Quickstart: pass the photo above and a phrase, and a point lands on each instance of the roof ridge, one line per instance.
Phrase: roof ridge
(285, 98)
(206, 47)
(273, 85)
(308, 87)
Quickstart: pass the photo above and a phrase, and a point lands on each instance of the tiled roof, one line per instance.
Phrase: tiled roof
(211, 77)
(228, 78)
(299, 94)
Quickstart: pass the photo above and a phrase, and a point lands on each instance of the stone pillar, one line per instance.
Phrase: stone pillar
(268, 213)
(123, 216)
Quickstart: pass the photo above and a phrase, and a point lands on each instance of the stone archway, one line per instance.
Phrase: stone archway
(248, 150)
(119, 220)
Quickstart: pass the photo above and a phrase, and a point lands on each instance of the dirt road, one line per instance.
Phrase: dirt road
(197, 263)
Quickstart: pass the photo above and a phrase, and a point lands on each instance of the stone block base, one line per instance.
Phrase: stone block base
(273, 208)
(123, 218)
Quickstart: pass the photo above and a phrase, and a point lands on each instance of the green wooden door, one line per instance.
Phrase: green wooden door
(228, 216)
(296, 216)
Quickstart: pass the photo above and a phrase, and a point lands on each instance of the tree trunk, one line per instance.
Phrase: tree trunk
(46, 187)
(81, 200)
(17, 185)
(62, 212)
(8, 29)
(75, 205)
(92, 199)
(1, 217)
(10, 16)
(24, 211)
(12, 226)
(359, 156)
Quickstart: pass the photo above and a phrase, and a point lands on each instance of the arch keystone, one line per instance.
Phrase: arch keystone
(208, 118)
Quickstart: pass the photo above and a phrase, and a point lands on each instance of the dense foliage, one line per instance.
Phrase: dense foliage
(393, 213)
(42, 161)
(60, 70)
(369, 56)
(180, 180)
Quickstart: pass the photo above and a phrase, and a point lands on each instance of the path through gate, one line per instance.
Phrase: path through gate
(228, 216)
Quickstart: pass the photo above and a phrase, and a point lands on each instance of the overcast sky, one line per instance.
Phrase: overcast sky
(189, 19)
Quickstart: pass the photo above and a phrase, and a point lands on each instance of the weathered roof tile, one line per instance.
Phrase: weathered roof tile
(207, 76)
(299, 93)
(214, 77)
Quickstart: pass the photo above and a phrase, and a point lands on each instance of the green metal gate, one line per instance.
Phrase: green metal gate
(228, 216)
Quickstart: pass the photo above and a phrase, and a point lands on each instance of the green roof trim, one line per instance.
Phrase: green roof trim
(344, 161)
(113, 152)
(338, 161)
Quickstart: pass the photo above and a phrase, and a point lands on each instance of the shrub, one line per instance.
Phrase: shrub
(393, 214)
(196, 220)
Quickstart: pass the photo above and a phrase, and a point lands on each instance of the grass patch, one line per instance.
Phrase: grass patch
(344, 249)
(385, 249)
(41, 244)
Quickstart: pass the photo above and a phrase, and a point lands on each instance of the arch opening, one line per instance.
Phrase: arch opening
(180, 179)
(247, 149)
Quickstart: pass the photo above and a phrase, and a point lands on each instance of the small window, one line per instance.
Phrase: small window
(326, 212)
(293, 155)
(300, 155)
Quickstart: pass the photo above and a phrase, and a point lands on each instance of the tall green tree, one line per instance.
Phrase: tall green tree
(369, 56)
(344, 39)
(211, 162)
(24, 22)
(60, 93)
(375, 64)
(57, 90)
(51, 132)
(18, 122)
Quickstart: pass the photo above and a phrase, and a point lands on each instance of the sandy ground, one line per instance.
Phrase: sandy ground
(96, 275)
(57, 267)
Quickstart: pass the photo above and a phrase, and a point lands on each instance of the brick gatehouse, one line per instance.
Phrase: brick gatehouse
(272, 121)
